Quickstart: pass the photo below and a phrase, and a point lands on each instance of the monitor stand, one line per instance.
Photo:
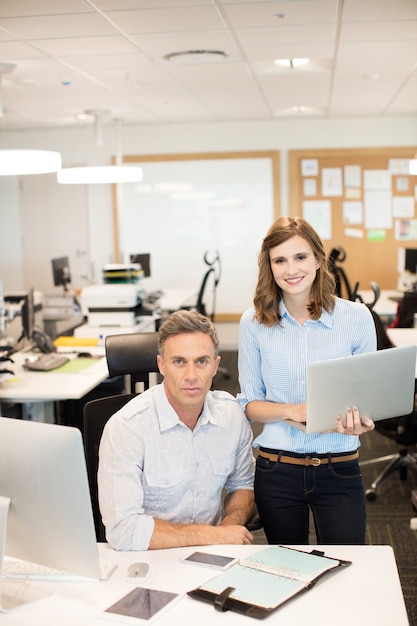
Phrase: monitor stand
(14, 593)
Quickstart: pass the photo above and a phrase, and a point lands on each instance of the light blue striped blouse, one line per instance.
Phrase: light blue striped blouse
(272, 366)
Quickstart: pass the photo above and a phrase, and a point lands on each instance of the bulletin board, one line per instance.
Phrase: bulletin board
(190, 204)
(361, 199)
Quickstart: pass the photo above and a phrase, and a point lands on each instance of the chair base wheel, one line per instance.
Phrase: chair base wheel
(370, 495)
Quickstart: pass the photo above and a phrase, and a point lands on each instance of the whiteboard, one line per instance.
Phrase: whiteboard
(184, 209)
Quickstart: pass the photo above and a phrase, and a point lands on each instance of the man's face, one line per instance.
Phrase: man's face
(188, 366)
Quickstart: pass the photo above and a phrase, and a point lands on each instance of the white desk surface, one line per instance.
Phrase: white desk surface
(366, 592)
(146, 324)
(30, 386)
(387, 303)
(175, 299)
(402, 336)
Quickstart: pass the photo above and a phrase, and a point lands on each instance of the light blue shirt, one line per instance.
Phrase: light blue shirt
(151, 465)
(273, 362)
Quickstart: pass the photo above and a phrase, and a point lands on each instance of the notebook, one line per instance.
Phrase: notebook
(380, 384)
(258, 585)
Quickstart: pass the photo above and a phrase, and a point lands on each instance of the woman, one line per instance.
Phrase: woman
(297, 319)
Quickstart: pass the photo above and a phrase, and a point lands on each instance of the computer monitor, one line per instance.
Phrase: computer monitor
(61, 272)
(29, 329)
(410, 262)
(44, 503)
(28, 315)
(144, 260)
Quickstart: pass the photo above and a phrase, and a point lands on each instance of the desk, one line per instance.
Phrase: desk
(402, 336)
(44, 388)
(175, 299)
(387, 303)
(368, 591)
(146, 324)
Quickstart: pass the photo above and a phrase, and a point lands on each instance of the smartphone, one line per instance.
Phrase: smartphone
(218, 561)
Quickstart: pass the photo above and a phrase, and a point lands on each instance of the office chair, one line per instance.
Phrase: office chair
(407, 307)
(403, 430)
(95, 415)
(214, 274)
(376, 290)
(132, 355)
(343, 286)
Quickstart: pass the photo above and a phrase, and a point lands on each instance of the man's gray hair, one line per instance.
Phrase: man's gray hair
(184, 321)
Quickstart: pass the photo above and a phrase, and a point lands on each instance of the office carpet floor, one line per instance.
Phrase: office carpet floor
(388, 517)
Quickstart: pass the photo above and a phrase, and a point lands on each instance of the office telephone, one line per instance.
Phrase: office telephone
(43, 341)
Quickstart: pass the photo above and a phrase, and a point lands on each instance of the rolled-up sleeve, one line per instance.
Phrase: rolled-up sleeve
(120, 487)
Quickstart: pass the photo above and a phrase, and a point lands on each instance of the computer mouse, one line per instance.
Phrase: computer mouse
(138, 572)
(84, 355)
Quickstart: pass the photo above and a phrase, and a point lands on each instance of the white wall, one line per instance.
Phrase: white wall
(11, 264)
(22, 264)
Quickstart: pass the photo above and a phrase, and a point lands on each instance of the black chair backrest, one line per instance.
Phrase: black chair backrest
(382, 340)
(403, 429)
(200, 306)
(127, 354)
(376, 289)
(406, 309)
(214, 273)
(134, 355)
(343, 286)
(95, 415)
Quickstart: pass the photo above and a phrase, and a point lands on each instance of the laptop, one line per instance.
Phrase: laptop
(380, 384)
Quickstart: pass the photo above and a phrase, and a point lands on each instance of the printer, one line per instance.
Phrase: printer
(118, 304)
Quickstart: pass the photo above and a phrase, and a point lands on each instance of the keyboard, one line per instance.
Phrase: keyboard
(46, 362)
(16, 569)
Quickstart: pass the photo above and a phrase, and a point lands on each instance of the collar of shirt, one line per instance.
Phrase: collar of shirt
(325, 318)
(168, 417)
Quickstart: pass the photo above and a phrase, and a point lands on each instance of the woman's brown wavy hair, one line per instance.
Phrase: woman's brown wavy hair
(268, 295)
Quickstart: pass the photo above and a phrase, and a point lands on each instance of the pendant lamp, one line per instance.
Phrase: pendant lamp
(101, 174)
(20, 162)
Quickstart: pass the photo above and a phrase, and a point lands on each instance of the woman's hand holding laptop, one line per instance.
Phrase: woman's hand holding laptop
(355, 424)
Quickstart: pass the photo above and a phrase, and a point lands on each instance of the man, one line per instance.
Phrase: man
(166, 455)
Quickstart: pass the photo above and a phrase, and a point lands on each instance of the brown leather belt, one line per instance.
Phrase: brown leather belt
(308, 460)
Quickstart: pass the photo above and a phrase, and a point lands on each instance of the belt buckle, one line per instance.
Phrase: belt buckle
(314, 461)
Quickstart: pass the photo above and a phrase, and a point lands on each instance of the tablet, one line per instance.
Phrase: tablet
(218, 561)
(381, 384)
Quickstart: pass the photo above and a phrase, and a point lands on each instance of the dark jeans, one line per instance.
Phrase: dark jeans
(285, 494)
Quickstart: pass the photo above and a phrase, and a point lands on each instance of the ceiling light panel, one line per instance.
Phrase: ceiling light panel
(87, 46)
(177, 19)
(388, 10)
(304, 35)
(73, 25)
(263, 14)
